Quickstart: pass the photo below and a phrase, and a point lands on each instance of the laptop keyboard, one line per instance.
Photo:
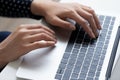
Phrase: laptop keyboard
(84, 57)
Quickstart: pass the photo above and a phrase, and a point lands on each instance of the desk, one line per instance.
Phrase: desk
(100, 6)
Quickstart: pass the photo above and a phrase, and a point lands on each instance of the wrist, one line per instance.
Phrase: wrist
(3, 59)
(42, 7)
(37, 7)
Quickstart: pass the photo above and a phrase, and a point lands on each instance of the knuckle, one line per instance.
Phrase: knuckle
(91, 10)
(66, 24)
(23, 46)
(21, 30)
(70, 11)
(90, 16)
(40, 44)
(21, 27)
(42, 30)
(42, 35)
(52, 19)
(84, 22)
(37, 44)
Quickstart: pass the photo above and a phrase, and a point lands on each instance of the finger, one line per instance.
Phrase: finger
(41, 30)
(89, 17)
(31, 26)
(37, 26)
(88, 9)
(41, 44)
(62, 23)
(75, 16)
(97, 21)
(48, 29)
(41, 36)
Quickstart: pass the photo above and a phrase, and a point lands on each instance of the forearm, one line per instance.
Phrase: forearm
(17, 8)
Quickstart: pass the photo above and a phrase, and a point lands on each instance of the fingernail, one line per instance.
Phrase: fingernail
(52, 42)
(72, 27)
(99, 26)
(55, 41)
(92, 34)
(97, 34)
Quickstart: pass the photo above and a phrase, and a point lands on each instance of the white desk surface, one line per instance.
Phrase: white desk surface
(100, 6)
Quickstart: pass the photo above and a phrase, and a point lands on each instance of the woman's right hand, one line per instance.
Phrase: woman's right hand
(57, 15)
(24, 39)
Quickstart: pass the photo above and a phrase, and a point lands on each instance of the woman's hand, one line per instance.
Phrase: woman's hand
(24, 39)
(57, 14)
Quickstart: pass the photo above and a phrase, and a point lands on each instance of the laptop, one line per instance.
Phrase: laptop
(76, 56)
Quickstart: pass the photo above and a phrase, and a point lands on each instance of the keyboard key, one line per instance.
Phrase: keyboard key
(62, 66)
(83, 50)
(107, 40)
(89, 78)
(58, 76)
(82, 76)
(67, 74)
(97, 74)
(64, 61)
(77, 46)
(71, 62)
(74, 76)
(100, 44)
(60, 71)
(75, 51)
(77, 69)
(99, 68)
(101, 17)
(96, 78)
(66, 55)
(70, 66)
(91, 74)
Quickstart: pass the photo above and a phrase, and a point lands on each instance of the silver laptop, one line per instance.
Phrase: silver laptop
(76, 56)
